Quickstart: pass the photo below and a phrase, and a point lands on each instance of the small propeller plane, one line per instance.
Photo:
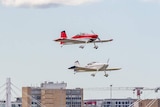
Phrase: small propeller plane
(81, 38)
(92, 67)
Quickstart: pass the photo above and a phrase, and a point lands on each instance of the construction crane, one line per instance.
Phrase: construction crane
(137, 90)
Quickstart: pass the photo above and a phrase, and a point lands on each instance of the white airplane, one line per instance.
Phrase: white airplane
(92, 67)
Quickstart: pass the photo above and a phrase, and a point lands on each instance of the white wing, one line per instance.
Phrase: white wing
(70, 41)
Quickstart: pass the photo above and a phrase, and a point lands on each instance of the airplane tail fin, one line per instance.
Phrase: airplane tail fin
(76, 63)
(63, 35)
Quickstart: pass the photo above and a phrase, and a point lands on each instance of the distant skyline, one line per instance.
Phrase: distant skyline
(30, 56)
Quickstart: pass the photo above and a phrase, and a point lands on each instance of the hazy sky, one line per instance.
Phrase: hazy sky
(29, 56)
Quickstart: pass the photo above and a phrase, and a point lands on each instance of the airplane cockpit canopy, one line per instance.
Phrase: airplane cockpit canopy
(91, 63)
(81, 34)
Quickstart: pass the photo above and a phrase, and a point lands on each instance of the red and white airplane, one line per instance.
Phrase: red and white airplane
(81, 38)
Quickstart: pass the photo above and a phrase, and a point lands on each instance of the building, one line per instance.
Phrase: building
(109, 102)
(51, 94)
(16, 103)
(74, 97)
(53, 97)
(148, 103)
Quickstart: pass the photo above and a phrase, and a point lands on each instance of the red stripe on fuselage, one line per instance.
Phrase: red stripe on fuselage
(85, 36)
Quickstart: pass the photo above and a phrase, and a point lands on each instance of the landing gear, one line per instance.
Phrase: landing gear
(82, 46)
(96, 47)
(106, 75)
(93, 75)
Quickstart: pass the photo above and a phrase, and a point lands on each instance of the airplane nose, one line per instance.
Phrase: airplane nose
(96, 36)
(72, 67)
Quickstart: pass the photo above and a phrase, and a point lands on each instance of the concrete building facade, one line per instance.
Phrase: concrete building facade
(148, 103)
(52, 95)
(26, 99)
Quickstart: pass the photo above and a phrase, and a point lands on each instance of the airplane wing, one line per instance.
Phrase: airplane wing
(73, 41)
(85, 69)
(112, 69)
(101, 41)
(70, 41)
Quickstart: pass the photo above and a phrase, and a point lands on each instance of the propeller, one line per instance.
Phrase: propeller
(108, 61)
(94, 33)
